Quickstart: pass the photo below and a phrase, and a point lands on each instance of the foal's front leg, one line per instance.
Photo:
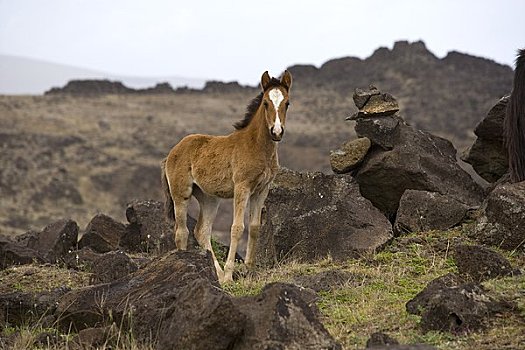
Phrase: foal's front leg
(240, 199)
(256, 205)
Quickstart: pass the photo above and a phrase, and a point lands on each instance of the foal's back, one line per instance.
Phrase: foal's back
(205, 161)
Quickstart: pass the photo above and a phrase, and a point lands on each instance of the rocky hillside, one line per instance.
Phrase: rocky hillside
(77, 154)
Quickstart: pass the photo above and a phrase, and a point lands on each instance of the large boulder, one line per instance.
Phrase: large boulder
(279, 318)
(24, 308)
(502, 222)
(481, 263)
(450, 304)
(147, 293)
(149, 230)
(488, 155)
(310, 216)
(13, 253)
(54, 242)
(404, 158)
(423, 211)
(111, 266)
(102, 234)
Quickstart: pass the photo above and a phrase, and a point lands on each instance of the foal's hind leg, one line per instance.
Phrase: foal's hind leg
(181, 193)
(181, 227)
(208, 211)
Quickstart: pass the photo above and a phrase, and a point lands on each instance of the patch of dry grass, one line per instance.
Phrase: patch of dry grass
(38, 278)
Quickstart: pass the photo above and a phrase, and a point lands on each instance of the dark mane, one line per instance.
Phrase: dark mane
(515, 122)
(254, 104)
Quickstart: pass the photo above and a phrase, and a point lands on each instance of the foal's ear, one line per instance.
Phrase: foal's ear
(265, 80)
(286, 80)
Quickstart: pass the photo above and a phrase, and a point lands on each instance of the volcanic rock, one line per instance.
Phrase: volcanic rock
(21, 308)
(54, 242)
(149, 230)
(450, 304)
(372, 102)
(310, 216)
(502, 223)
(279, 318)
(481, 263)
(409, 159)
(112, 266)
(12, 253)
(423, 211)
(102, 234)
(488, 155)
(349, 155)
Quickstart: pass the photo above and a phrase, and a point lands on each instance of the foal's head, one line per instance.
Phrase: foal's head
(275, 103)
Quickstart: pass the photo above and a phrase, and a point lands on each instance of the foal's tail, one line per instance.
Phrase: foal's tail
(515, 122)
(169, 209)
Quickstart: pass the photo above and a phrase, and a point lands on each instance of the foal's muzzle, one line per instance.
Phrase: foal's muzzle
(276, 137)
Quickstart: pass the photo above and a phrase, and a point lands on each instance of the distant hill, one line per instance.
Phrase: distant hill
(447, 96)
(22, 75)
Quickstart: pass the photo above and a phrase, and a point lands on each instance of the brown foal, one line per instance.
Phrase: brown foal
(240, 165)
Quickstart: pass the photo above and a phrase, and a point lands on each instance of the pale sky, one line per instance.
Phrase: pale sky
(238, 40)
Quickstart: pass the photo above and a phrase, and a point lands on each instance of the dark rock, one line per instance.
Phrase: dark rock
(418, 161)
(148, 229)
(362, 96)
(349, 155)
(112, 266)
(502, 222)
(54, 242)
(379, 339)
(102, 234)
(279, 318)
(381, 131)
(17, 308)
(82, 259)
(139, 300)
(417, 304)
(481, 263)
(372, 102)
(423, 211)
(328, 280)
(310, 216)
(12, 253)
(488, 155)
(202, 317)
(449, 304)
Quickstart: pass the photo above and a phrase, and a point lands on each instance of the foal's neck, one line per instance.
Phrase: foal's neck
(258, 131)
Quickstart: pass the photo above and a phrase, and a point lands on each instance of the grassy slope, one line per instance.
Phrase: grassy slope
(373, 301)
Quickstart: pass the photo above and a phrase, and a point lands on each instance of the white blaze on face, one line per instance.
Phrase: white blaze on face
(276, 96)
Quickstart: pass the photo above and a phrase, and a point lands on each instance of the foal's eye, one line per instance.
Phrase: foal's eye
(287, 104)
(265, 104)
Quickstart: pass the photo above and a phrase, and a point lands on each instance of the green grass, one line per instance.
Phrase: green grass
(390, 279)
